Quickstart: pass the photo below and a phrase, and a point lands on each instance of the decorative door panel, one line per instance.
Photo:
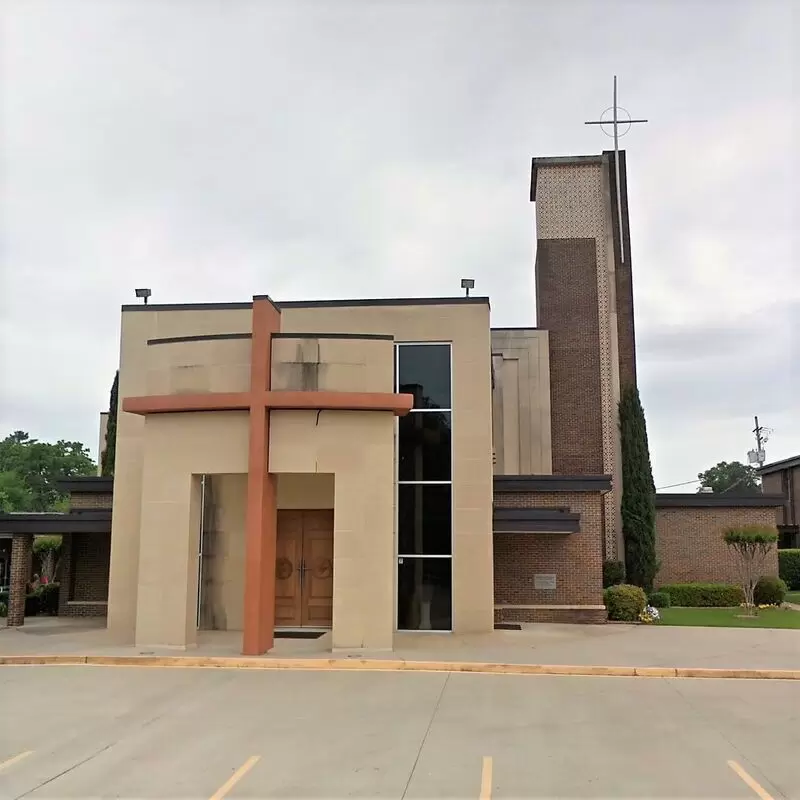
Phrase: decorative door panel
(288, 562)
(317, 596)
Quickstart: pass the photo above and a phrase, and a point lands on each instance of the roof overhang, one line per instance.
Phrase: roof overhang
(74, 522)
(703, 500)
(535, 520)
(778, 466)
(552, 483)
(93, 484)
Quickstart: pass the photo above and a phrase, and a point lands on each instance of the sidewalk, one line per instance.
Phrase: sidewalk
(610, 645)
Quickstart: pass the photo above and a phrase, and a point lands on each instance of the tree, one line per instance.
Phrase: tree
(638, 493)
(732, 477)
(751, 544)
(48, 548)
(31, 470)
(110, 452)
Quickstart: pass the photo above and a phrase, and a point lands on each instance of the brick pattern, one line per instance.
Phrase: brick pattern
(584, 616)
(576, 559)
(21, 555)
(91, 556)
(566, 302)
(66, 572)
(690, 547)
(85, 501)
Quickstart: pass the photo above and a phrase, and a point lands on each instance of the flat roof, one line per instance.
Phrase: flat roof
(351, 303)
(777, 466)
(709, 500)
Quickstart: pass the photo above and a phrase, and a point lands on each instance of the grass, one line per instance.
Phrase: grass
(730, 618)
(793, 597)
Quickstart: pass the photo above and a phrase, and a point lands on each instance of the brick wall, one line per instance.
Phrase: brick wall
(566, 305)
(85, 559)
(690, 547)
(87, 500)
(576, 559)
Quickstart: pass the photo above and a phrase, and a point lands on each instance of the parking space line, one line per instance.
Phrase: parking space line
(486, 778)
(14, 759)
(750, 781)
(235, 778)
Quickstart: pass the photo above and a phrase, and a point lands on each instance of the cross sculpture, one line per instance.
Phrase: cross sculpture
(261, 509)
(615, 123)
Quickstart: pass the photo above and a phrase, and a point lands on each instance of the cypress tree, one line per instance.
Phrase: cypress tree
(638, 493)
(107, 464)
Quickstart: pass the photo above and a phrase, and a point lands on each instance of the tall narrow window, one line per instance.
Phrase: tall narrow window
(425, 489)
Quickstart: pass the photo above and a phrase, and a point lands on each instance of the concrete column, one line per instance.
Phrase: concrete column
(21, 554)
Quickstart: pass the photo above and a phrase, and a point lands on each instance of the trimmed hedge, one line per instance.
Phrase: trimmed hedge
(789, 567)
(704, 595)
(770, 591)
(659, 600)
(613, 573)
(624, 602)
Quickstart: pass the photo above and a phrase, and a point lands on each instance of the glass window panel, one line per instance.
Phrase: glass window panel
(424, 592)
(425, 519)
(424, 446)
(424, 371)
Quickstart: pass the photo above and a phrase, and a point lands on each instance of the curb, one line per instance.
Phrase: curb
(398, 665)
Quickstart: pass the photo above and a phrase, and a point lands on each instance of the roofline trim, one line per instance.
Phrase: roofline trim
(381, 336)
(206, 337)
(777, 466)
(89, 484)
(552, 483)
(708, 500)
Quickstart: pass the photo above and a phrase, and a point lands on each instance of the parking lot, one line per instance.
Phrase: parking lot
(76, 732)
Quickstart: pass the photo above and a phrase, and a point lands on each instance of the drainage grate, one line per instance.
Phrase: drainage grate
(299, 634)
(507, 626)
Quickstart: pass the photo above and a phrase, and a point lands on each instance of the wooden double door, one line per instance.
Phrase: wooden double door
(304, 569)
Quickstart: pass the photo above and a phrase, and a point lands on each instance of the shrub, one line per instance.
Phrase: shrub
(613, 573)
(770, 591)
(751, 544)
(660, 599)
(48, 599)
(704, 595)
(624, 602)
(789, 567)
(4, 598)
(3, 610)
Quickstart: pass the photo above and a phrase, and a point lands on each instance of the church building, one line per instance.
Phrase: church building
(373, 466)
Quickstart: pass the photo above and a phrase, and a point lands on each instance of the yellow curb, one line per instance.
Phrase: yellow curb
(395, 665)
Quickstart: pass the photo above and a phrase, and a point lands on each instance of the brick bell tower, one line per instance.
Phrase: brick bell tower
(584, 298)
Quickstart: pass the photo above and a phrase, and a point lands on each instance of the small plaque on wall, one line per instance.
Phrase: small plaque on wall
(545, 582)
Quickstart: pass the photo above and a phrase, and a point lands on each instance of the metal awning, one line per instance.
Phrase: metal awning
(50, 523)
(535, 520)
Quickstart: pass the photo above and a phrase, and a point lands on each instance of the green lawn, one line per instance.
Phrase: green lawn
(793, 597)
(729, 618)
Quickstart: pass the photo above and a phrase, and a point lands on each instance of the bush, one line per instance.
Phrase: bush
(48, 599)
(613, 573)
(660, 600)
(770, 591)
(789, 567)
(704, 595)
(624, 602)
(4, 598)
(3, 610)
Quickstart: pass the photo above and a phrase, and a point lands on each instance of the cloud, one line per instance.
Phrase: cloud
(215, 150)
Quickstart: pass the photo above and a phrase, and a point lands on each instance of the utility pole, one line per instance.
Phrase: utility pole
(759, 456)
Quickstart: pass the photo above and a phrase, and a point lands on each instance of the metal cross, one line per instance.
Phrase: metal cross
(615, 123)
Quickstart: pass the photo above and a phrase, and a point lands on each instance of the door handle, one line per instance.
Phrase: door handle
(301, 569)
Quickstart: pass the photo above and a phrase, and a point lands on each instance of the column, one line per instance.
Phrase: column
(21, 554)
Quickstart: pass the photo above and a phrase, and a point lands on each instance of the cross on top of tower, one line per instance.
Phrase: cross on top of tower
(615, 122)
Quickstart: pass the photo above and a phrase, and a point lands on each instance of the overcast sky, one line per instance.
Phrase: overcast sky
(213, 150)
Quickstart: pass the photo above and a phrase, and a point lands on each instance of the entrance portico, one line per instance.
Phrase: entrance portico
(294, 378)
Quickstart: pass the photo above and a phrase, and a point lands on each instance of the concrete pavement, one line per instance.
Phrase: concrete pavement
(152, 733)
(605, 645)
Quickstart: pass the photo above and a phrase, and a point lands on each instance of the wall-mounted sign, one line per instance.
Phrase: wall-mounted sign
(545, 582)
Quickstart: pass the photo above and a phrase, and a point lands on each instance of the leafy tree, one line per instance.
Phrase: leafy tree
(751, 544)
(730, 477)
(32, 469)
(109, 454)
(48, 548)
(638, 493)
(14, 494)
